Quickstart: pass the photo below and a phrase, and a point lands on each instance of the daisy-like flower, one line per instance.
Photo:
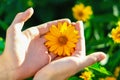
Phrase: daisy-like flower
(115, 34)
(62, 39)
(80, 12)
(86, 75)
(110, 78)
(118, 23)
(117, 71)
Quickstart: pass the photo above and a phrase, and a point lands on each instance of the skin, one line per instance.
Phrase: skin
(25, 54)
(62, 68)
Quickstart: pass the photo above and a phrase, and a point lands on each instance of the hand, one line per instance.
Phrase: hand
(62, 68)
(25, 52)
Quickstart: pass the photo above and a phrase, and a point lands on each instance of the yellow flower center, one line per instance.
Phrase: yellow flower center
(62, 40)
(118, 34)
(58, 40)
(80, 14)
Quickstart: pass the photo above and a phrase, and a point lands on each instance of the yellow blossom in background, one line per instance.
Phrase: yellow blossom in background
(115, 34)
(117, 71)
(101, 79)
(110, 78)
(30, 3)
(86, 75)
(81, 12)
(1, 38)
(62, 39)
(118, 23)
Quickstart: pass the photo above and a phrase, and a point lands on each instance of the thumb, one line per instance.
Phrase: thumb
(21, 18)
(93, 58)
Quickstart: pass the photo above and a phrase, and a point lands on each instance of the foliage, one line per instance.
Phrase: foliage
(1, 45)
(97, 28)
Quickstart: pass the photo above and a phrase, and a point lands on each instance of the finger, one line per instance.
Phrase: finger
(80, 46)
(91, 59)
(53, 56)
(20, 18)
(43, 40)
(31, 33)
(44, 28)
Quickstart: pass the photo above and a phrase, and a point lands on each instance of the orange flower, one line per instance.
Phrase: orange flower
(110, 78)
(115, 34)
(80, 12)
(62, 39)
(86, 75)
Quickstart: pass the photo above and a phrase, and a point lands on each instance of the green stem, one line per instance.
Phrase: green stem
(113, 46)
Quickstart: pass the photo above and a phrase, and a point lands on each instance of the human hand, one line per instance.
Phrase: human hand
(62, 68)
(25, 52)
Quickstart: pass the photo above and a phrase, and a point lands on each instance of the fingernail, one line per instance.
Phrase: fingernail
(101, 56)
(29, 10)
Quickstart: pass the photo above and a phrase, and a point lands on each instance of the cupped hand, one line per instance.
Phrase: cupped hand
(25, 52)
(62, 68)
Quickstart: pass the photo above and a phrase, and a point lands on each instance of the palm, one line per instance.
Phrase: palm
(35, 55)
(63, 68)
(25, 51)
(30, 54)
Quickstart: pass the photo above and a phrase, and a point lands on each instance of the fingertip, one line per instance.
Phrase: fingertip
(28, 13)
(80, 22)
(29, 10)
(93, 58)
(79, 25)
(44, 28)
(68, 20)
(23, 16)
(65, 20)
(98, 55)
(101, 56)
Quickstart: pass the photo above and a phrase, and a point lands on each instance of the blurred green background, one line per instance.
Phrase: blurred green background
(106, 14)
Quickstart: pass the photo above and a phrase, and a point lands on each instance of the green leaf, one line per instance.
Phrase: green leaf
(99, 69)
(88, 30)
(46, 14)
(1, 45)
(102, 19)
(114, 60)
(58, 1)
(3, 25)
(29, 79)
(75, 78)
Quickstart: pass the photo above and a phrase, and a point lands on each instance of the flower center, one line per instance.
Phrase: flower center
(80, 13)
(118, 35)
(62, 40)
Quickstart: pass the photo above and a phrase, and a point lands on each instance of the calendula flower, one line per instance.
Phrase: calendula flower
(115, 34)
(86, 75)
(110, 78)
(101, 78)
(62, 39)
(118, 23)
(30, 3)
(81, 12)
(117, 71)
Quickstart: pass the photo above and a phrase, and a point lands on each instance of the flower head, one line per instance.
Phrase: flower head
(118, 23)
(80, 12)
(117, 71)
(86, 75)
(62, 39)
(110, 78)
(115, 34)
